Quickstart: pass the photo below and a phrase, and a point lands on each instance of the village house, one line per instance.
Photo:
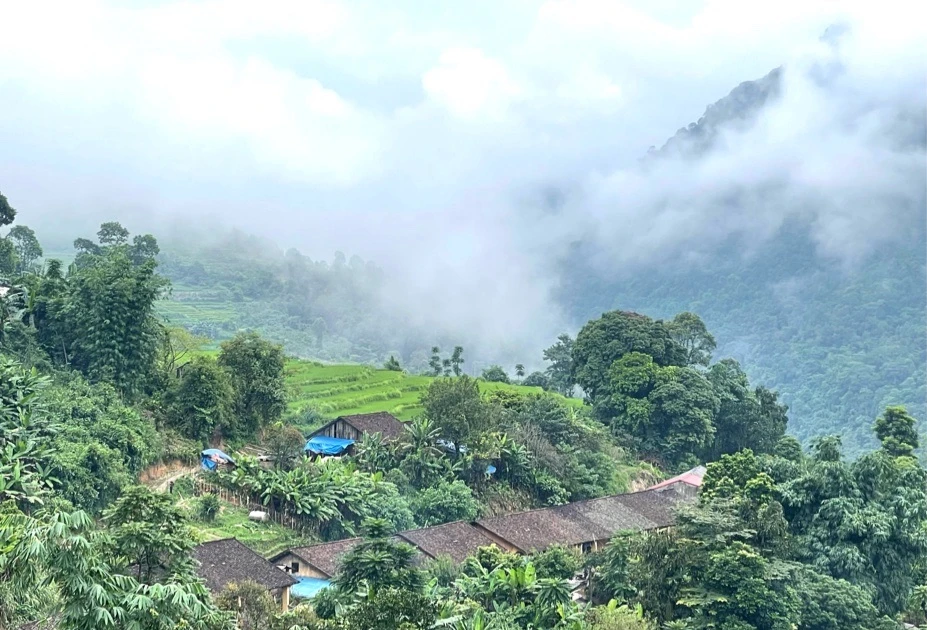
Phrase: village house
(457, 540)
(315, 561)
(227, 561)
(585, 525)
(339, 436)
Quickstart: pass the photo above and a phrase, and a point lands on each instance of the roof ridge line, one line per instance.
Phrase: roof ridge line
(607, 496)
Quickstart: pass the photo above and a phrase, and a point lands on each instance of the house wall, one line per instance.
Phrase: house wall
(305, 569)
(340, 429)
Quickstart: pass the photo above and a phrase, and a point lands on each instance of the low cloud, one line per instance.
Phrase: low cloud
(466, 149)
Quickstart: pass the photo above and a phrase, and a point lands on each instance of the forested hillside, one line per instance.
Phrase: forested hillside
(839, 339)
(95, 388)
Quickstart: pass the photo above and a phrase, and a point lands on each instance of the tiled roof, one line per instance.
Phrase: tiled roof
(222, 562)
(380, 422)
(457, 540)
(325, 556)
(586, 521)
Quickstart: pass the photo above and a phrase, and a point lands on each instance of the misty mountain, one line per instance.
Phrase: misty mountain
(839, 340)
(735, 111)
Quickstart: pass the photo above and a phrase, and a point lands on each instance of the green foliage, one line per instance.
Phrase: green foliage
(90, 576)
(149, 532)
(199, 405)
(391, 609)
(208, 507)
(560, 371)
(102, 445)
(445, 502)
(557, 562)
(256, 369)
(861, 521)
(838, 344)
(26, 246)
(454, 405)
(7, 212)
(107, 319)
(895, 430)
(667, 411)
(26, 430)
(250, 602)
(689, 331)
(603, 341)
(285, 444)
(537, 379)
(392, 364)
(378, 563)
(495, 374)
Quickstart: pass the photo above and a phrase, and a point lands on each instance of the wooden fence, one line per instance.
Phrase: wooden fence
(240, 498)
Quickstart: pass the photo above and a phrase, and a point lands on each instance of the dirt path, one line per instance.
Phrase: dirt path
(159, 478)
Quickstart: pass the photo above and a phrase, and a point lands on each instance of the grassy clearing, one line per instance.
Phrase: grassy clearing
(338, 390)
(232, 522)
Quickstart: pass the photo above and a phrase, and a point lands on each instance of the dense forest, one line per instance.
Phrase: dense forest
(95, 388)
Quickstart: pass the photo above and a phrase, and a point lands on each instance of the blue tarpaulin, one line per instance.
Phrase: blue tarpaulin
(212, 457)
(324, 445)
(308, 587)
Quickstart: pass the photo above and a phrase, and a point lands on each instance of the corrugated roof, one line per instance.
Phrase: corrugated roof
(457, 540)
(222, 562)
(692, 477)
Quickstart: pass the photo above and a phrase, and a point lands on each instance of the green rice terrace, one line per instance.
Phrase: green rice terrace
(343, 389)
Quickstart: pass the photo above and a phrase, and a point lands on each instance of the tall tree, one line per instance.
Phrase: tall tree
(689, 331)
(109, 320)
(560, 370)
(435, 361)
(603, 341)
(26, 245)
(7, 212)
(112, 233)
(200, 403)
(895, 430)
(255, 366)
(746, 418)
(7, 251)
(454, 405)
(457, 360)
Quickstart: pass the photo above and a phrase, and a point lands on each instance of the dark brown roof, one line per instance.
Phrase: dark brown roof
(586, 521)
(386, 424)
(222, 562)
(325, 557)
(457, 540)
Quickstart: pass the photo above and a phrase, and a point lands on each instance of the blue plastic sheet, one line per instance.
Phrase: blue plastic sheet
(212, 457)
(324, 445)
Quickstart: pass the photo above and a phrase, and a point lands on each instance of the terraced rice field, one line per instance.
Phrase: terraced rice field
(339, 390)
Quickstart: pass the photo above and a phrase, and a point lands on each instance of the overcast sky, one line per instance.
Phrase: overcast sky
(416, 133)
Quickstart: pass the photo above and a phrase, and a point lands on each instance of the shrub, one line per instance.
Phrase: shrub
(445, 502)
(208, 507)
(557, 562)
